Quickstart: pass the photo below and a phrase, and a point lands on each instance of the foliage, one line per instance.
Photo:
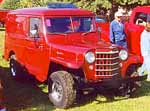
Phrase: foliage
(92, 5)
(11, 4)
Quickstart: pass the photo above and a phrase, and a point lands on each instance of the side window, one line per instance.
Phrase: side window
(35, 27)
(140, 18)
(21, 25)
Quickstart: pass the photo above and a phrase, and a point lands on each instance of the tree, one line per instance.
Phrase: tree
(11, 4)
(92, 5)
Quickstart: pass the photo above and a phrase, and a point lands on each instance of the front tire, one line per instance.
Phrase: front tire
(128, 89)
(62, 91)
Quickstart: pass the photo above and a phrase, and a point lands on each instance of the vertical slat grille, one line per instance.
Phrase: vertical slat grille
(107, 63)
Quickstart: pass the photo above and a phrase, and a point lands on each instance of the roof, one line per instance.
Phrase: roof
(51, 11)
(145, 9)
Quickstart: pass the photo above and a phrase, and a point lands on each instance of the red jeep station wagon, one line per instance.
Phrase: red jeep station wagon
(63, 47)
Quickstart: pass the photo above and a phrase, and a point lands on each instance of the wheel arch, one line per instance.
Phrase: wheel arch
(131, 68)
(11, 53)
(53, 67)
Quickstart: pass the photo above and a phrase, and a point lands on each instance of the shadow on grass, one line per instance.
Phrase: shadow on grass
(92, 96)
(109, 96)
(144, 90)
(23, 96)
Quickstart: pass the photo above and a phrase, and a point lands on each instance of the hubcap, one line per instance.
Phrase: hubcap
(13, 71)
(57, 91)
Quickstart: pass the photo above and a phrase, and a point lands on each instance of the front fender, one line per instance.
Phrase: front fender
(132, 59)
(69, 57)
(73, 64)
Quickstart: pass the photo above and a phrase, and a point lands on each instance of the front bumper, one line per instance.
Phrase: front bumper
(112, 83)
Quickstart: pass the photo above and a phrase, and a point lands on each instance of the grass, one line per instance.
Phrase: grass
(29, 96)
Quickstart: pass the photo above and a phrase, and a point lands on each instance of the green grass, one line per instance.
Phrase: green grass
(28, 96)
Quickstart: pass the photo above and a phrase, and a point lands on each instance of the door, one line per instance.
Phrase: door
(37, 59)
(134, 32)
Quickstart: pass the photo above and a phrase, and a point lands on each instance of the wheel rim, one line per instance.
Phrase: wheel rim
(57, 91)
(12, 68)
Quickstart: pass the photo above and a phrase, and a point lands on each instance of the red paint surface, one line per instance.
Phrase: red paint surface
(1, 1)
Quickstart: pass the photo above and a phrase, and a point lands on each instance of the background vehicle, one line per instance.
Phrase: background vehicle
(135, 26)
(37, 41)
(3, 14)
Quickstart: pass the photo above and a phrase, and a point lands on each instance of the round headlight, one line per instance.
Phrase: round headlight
(123, 54)
(90, 57)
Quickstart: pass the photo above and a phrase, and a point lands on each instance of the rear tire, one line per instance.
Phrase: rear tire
(62, 91)
(15, 67)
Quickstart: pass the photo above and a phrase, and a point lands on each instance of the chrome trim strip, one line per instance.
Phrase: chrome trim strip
(107, 75)
(111, 52)
(107, 58)
(107, 64)
(104, 70)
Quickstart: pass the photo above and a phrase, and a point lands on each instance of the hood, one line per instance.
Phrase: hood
(89, 40)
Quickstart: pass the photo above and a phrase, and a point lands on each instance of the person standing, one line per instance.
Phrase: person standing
(145, 49)
(117, 33)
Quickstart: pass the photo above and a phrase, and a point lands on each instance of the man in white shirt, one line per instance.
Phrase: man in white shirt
(145, 49)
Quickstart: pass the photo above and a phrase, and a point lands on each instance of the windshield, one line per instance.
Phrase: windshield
(69, 24)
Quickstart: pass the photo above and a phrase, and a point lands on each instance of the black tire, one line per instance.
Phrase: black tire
(62, 91)
(128, 89)
(15, 68)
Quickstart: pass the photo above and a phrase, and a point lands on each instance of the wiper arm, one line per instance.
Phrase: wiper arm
(85, 33)
(60, 33)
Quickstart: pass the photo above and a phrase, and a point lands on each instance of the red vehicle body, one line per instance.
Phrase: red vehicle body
(66, 59)
(133, 28)
(3, 14)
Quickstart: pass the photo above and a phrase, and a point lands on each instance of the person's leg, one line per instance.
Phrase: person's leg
(147, 64)
(141, 69)
(122, 43)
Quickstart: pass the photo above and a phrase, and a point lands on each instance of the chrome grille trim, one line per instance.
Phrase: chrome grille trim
(107, 58)
(107, 69)
(111, 52)
(107, 63)
(108, 75)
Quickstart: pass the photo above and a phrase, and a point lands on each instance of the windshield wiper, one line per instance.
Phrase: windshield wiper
(85, 33)
(60, 33)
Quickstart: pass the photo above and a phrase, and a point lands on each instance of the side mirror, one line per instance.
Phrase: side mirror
(99, 32)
